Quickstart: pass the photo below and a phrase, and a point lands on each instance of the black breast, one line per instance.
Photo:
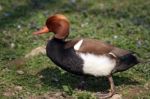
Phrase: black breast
(67, 59)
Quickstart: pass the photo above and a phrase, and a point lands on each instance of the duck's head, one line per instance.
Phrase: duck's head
(58, 24)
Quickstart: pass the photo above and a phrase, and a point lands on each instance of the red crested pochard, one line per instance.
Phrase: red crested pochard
(84, 56)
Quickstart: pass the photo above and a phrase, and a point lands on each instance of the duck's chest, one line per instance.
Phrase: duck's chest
(67, 59)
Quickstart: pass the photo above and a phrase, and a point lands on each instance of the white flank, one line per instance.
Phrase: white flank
(95, 65)
(77, 45)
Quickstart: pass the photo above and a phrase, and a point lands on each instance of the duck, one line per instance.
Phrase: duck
(84, 56)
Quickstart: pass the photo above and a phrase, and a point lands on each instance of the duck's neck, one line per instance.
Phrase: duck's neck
(57, 36)
(55, 48)
(55, 51)
(56, 44)
(58, 40)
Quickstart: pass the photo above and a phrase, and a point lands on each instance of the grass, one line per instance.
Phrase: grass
(123, 23)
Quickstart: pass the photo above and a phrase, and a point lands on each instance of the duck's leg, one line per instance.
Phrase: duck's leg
(112, 89)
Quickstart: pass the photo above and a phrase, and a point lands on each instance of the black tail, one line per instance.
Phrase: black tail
(125, 62)
(129, 59)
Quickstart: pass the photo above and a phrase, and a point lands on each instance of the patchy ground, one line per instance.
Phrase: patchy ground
(26, 72)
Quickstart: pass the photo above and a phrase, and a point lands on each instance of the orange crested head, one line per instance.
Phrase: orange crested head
(58, 24)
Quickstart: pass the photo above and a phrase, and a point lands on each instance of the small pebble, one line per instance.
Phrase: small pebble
(40, 76)
(115, 36)
(12, 45)
(84, 24)
(116, 96)
(18, 88)
(55, 79)
(72, 1)
(7, 14)
(58, 94)
(147, 86)
(20, 72)
(8, 94)
(38, 85)
(139, 43)
(1, 8)
(18, 26)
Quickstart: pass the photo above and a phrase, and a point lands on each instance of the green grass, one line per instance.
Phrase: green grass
(123, 23)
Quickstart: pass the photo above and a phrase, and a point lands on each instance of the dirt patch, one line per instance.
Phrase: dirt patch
(135, 91)
(51, 95)
(12, 91)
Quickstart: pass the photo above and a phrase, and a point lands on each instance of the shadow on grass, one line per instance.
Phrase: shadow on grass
(54, 78)
(138, 16)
